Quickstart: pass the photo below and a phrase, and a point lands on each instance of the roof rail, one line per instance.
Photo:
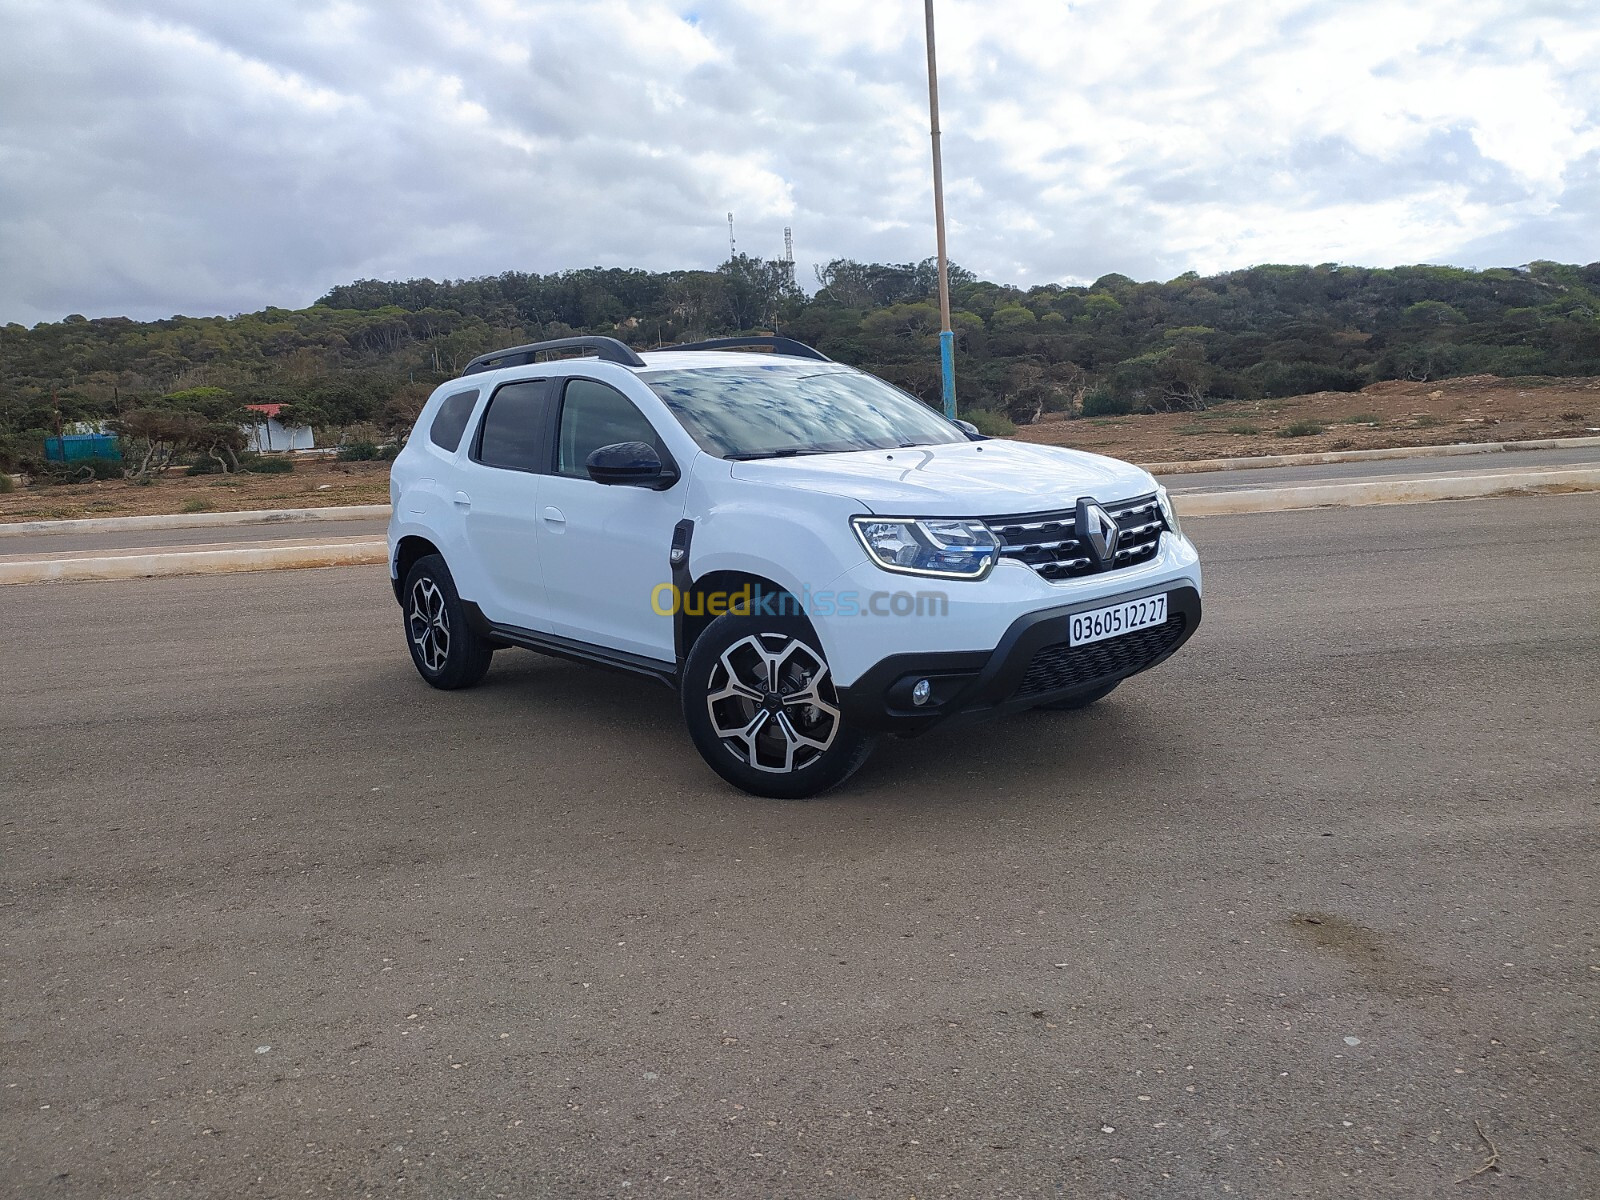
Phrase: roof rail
(607, 348)
(778, 345)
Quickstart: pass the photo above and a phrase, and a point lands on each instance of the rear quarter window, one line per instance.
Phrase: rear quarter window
(450, 422)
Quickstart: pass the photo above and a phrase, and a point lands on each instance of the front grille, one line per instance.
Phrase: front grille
(1048, 541)
(1060, 666)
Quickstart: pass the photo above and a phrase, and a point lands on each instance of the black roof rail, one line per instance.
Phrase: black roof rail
(607, 348)
(778, 345)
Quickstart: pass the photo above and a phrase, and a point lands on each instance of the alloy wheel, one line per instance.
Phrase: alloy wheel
(428, 622)
(772, 703)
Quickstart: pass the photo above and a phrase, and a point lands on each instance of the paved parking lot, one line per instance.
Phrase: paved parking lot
(1286, 917)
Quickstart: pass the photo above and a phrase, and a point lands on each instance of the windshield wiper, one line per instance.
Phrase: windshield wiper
(789, 452)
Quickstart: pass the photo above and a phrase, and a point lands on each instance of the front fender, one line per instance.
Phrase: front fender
(802, 543)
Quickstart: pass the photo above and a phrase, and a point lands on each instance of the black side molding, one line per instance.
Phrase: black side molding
(570, 648)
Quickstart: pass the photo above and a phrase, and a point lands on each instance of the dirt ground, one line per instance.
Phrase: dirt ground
(315, 483)
(1476, 408)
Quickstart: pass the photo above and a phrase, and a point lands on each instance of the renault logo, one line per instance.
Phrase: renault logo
(1098, 531)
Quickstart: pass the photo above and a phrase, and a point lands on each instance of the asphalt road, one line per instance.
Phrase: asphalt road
(44, 544)
(1285, 917)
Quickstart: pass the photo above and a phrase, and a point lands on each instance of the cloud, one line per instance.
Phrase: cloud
(161, 156)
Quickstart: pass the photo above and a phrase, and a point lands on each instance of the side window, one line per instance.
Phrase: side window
(513, 431)
(594, 415)
(450, 422)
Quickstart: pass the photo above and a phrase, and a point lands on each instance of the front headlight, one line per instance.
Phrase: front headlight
(1168, 512)
(932, 546)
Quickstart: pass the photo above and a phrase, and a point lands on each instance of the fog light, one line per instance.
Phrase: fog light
(921, 692)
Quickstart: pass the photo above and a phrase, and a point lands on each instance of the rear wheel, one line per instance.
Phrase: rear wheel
(1080, 699)
(759, 701)
(444, 647)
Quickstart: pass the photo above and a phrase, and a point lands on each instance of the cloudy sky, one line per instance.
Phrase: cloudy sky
(217, 156)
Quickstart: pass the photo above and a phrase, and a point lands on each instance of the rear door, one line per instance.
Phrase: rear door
(499, 501)
(603, 547)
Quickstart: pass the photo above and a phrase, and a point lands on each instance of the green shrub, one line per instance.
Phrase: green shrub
(1361, 419)
(79, 470)
(7, 484)
(990, 424)
(1428, 421)
(1099, 402)
(196, 506)
(1245, 428)
(204, 466)
(268, 466)
(1300, 429)
(1275, 378)
(359, 452)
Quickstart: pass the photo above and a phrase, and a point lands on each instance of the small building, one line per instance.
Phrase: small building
(267, 434)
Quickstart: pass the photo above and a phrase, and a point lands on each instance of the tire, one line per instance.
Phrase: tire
(1080, 699)
(446, 650)
(788, 741)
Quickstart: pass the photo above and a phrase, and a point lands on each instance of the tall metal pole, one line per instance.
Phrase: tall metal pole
(947, 337)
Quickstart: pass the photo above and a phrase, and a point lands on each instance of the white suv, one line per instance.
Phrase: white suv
(808, 555)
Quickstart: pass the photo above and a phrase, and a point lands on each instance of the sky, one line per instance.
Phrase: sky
(219, 156)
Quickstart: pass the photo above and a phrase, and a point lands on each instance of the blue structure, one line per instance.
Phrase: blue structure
(947, 371)
(76, 446)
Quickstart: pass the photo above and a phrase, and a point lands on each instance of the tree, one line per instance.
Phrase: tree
(153, 438)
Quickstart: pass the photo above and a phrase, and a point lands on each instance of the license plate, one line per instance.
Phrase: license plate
(1101, 623)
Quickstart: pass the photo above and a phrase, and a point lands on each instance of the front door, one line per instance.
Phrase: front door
(603, 547)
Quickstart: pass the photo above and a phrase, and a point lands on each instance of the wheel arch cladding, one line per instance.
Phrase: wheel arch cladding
(406, 554)
(694, 616)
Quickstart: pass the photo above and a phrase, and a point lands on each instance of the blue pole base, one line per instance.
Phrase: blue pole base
(947, 368)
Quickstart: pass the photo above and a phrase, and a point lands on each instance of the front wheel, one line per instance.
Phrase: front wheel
(760, 704)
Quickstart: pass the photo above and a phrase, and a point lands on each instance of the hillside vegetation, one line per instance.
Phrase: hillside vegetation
(360, 361)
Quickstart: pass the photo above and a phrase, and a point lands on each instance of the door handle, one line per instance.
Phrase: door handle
(553, 515)
(463, 500)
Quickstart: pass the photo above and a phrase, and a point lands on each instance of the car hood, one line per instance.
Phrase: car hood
(968, 479)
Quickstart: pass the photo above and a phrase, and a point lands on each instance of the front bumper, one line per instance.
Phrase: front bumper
(1031, 665)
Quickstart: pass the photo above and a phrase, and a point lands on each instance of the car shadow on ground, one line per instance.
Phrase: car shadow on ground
(590, 714)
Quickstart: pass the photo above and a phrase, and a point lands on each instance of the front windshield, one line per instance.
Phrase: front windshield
(772, 411)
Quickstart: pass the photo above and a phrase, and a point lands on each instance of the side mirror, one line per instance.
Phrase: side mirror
(633, 463)
(971, 430)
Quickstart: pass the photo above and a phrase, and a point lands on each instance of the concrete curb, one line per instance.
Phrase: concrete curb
(1388, 491)
(269, 556)
(266, 557)
(1345, 456)
(270, 516)
(380, 512)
